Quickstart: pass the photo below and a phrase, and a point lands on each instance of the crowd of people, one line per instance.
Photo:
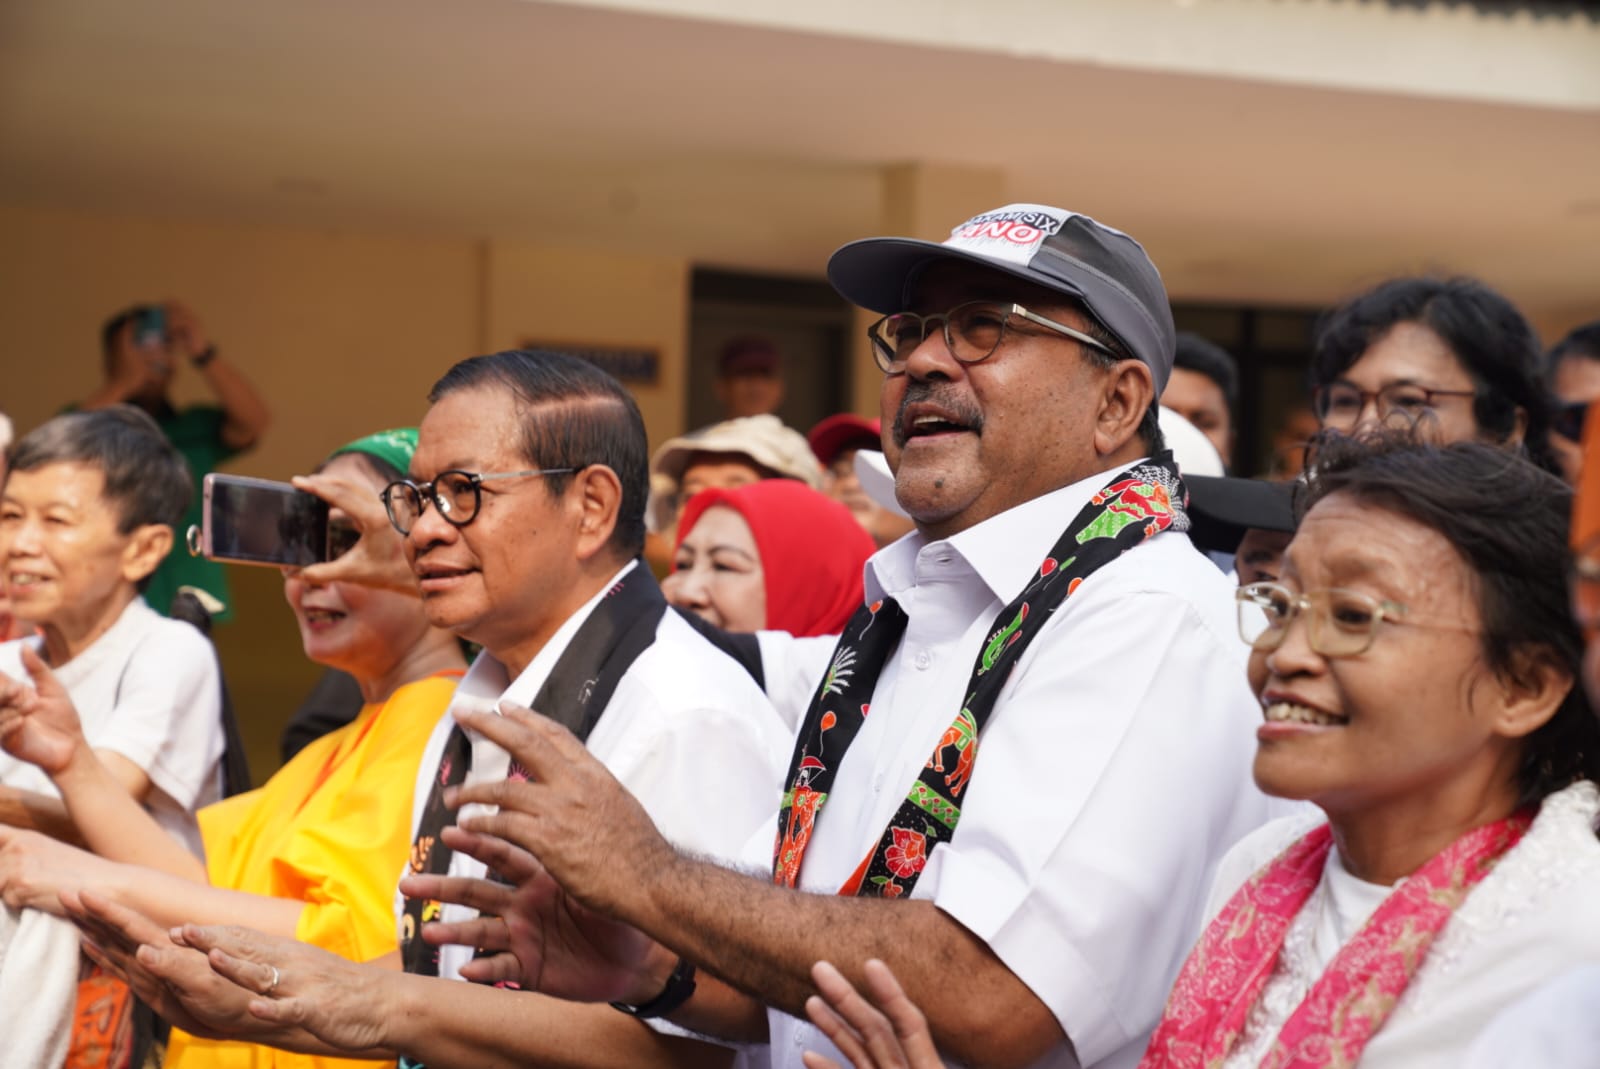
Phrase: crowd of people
(1006, 729)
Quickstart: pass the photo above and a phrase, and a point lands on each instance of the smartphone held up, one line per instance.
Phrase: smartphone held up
(258, 521)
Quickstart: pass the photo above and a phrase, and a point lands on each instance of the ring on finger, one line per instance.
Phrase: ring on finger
(276, 976)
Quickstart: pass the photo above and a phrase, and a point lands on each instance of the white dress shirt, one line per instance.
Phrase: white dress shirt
(687, 732)
(1112, 775)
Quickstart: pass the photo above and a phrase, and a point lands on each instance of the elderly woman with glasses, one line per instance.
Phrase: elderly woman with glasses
(1451, 359)
(1416, 667)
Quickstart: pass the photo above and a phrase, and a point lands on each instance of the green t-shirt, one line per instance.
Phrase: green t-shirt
(197, 433)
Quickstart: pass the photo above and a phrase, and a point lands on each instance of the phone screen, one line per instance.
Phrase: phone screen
(255, 521)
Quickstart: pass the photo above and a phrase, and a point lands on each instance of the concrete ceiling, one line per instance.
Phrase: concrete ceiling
(748, 147)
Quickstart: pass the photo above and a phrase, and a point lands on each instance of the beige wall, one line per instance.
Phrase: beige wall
(580, 296)
(343, 333)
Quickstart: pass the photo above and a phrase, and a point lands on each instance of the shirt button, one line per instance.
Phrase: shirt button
(923, 660)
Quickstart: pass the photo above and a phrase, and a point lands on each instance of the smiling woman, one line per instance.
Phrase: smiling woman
(1416, 668)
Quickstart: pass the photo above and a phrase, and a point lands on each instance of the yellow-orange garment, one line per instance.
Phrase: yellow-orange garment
(333, 829)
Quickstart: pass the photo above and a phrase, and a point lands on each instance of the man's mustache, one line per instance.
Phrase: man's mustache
(944, 395)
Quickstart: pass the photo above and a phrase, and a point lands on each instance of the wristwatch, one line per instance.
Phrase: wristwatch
(680, 985)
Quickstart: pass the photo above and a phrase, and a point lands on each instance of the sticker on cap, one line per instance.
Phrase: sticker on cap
(1013, 233)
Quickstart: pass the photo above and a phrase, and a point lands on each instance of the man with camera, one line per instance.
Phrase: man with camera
(143, 348)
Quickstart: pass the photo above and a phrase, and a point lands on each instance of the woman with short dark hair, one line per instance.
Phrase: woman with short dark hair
(1416, 666)
(1448, 357)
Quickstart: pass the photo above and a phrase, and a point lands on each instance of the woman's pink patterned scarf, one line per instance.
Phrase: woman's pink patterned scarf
(1224, 976)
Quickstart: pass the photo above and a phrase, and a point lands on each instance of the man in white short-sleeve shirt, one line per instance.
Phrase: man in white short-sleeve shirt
(148, 690)
(1114, 768)
(90, 504)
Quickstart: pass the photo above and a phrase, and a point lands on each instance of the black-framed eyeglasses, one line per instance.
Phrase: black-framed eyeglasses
(1568, 420)
(972, 333)
(1339, 404)
(456, 494)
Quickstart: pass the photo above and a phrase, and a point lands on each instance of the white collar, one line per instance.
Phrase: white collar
(1004, 551)
(487, 682)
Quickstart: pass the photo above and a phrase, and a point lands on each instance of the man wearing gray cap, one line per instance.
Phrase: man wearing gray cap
(1027, 750)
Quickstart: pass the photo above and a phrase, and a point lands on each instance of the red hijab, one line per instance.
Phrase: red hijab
(812, 551)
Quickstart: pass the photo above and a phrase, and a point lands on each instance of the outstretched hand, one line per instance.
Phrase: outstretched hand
(571, 814)
(883, 1030)
(536, 934)
(177, 981)
(38, 723)
(378, 559)
(298, 986)
(36, 869)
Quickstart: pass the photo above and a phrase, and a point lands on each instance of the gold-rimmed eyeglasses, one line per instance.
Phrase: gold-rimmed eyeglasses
(972, 333)
(456, 494)
(1339, 404)
(1339, 623)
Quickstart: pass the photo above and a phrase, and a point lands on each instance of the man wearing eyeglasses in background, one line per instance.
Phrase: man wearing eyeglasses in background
(1060, 730)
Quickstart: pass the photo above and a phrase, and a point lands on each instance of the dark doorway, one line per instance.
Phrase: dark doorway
(808, 322)
(1273, 347)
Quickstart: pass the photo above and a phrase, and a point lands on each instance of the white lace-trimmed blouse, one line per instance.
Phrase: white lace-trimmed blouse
(1536, 915)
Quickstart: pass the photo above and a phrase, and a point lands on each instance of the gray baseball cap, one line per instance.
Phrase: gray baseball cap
(1104, 269)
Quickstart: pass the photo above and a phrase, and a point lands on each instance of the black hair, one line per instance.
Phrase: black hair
(112, 327)
(574, 415)
(1203, 357)
(1493, 342)
(146, 478)
(1508, 520)
(1583, 342)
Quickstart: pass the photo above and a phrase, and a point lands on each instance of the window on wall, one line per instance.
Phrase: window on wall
(1273, 348)
(806, 321)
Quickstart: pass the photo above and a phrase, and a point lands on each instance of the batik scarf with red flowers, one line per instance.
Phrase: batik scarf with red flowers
(1220, 983)
(1137, 504)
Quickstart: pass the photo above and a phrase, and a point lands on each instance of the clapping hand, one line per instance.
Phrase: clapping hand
(39, 724)
(536, 934)
(883, 1030)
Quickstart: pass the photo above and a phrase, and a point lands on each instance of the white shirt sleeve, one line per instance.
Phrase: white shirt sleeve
(793, 669)
(708, 770)
(167, 714)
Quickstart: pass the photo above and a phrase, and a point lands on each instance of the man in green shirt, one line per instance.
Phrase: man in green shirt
(143, 348)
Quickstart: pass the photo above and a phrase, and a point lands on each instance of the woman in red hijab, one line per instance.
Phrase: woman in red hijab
(774, 555)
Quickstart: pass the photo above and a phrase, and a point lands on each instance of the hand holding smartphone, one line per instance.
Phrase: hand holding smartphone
(258, 521)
